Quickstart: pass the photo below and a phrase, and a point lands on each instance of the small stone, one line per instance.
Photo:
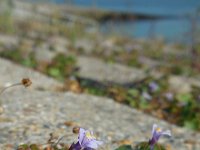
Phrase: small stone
(1, 110)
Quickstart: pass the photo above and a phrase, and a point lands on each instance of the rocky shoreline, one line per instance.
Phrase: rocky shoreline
(74, 68)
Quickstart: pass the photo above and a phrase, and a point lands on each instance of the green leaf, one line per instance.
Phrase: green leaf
(192, 124)
(124, 147)
(55, 72)
(23, 147)
(145, 146)
(184, 97)
(34, 147)
(133, 92)
(142, 146)
(143, 103)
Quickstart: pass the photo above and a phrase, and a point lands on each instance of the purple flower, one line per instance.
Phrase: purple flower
(157, 132)
(153, 86)
(169, 96)
(86, 141)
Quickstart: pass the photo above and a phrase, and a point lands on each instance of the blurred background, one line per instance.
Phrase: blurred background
(171, 20)
(141, 53)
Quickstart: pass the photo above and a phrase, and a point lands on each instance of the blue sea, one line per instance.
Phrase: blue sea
(185, 14)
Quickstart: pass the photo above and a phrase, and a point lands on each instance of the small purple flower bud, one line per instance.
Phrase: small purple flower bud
(156, 134)
(76, 130)
(153, 86)
(169, 96)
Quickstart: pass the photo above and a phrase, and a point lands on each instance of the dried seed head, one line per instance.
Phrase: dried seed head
(76, 130)
(26, 82)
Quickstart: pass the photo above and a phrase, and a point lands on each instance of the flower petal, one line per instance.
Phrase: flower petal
(154, 128)
(81, 135)
(75, 146)
(167, 132)
(94, 144)
(88, 148)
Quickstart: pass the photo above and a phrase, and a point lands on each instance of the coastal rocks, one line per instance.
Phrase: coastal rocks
(112, 122)
(23, 10)
(43, 54)
(128, 47)
(179, 84)
(59, 44)
(108, 47)
(8, 41)
(195, 82)
(91, 68)
(85, 45)
(12, 73)
(148, 63)
(173, 51)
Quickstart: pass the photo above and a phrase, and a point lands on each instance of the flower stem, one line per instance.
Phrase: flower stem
(16, 84)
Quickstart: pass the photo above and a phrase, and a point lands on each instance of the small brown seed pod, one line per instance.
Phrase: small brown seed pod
(76, 130)
(26, 82)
